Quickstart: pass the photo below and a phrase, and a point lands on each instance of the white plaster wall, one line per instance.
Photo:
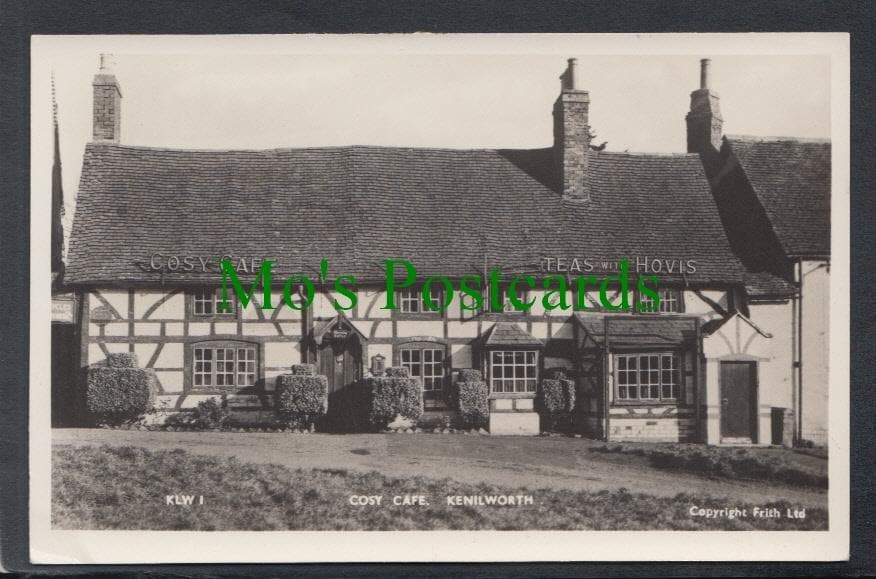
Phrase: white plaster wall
(815, 344)
(462, 329)
(144, 353)
(171, 381)
(171, 356)
(699, 304)
(259, 329)
(420, 328)
(173, 309)
(226, 328)
(282, 354)
(383, 329)
(363, 326)
(116, 298)
(145, 299)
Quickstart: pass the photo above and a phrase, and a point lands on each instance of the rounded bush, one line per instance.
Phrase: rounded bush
(303, 370)
(469, 375)
(114, 395)
(299, 400)
(557, 402)
(397, 372)
(122, 360)
(387, 397)
(472, 401)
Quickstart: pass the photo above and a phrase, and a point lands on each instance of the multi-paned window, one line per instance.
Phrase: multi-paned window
(223, 365)
(647, 377)
(504, 301)
(670, 302)
(513, 371)
(425, 363)
(411, 301)
(206, 303)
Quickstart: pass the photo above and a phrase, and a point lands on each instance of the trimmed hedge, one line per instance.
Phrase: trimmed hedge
(122, 360)
(469, 375)
(299, 399)
(472, 401)
(556, 374)
(557, 402)
(390, 396)
(303, 370)
(397, 372)
(114, 395)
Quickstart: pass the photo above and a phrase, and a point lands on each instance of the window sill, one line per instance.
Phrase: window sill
(506, 395)
(647, 403)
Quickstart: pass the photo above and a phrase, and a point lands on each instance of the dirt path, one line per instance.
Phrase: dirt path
(532, 462)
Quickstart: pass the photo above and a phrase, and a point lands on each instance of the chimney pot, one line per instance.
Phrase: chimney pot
(107, 63)
(704, 73)
(573, 74)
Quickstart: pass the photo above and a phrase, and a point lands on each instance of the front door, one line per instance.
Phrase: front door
(340, 361)
(738, 401)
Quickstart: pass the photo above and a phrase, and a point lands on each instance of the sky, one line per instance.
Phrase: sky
(253, 94)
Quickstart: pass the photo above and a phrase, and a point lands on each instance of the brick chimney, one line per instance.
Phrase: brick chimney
(107, 102)
(572, 135)
(704, 122)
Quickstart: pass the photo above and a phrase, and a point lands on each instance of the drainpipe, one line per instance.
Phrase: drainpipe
(605, 381)
(798, 363)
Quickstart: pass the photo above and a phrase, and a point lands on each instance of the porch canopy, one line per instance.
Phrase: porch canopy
(639, 331)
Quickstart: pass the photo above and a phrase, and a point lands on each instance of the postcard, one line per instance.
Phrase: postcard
(331, 298)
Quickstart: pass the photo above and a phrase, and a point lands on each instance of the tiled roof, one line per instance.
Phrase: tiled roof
(509, 334)
(640, 330)
(449, 212)
(791, 178)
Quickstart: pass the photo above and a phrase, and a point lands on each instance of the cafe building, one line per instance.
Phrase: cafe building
(721, 360)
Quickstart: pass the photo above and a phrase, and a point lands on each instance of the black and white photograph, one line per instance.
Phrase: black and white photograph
(516, 293)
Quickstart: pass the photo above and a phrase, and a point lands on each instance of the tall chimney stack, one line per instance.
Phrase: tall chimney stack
(704, 122)
(107, 102)
(572, 135)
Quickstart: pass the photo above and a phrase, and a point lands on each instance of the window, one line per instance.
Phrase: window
(411, 301)
(224, 365)
(206, 303)
(513, 371)
(647, 377)
(505, 304)
(426, 364)
(670, 302)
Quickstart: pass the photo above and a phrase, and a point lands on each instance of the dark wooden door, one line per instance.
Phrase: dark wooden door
(340, 361)
(738, 399)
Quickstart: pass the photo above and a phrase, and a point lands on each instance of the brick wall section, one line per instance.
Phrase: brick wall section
(572, 143)
(704, 122)
(107, 108)
(656, 430)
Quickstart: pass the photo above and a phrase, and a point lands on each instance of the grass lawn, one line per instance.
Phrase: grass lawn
(124, 487)
(798, 467)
